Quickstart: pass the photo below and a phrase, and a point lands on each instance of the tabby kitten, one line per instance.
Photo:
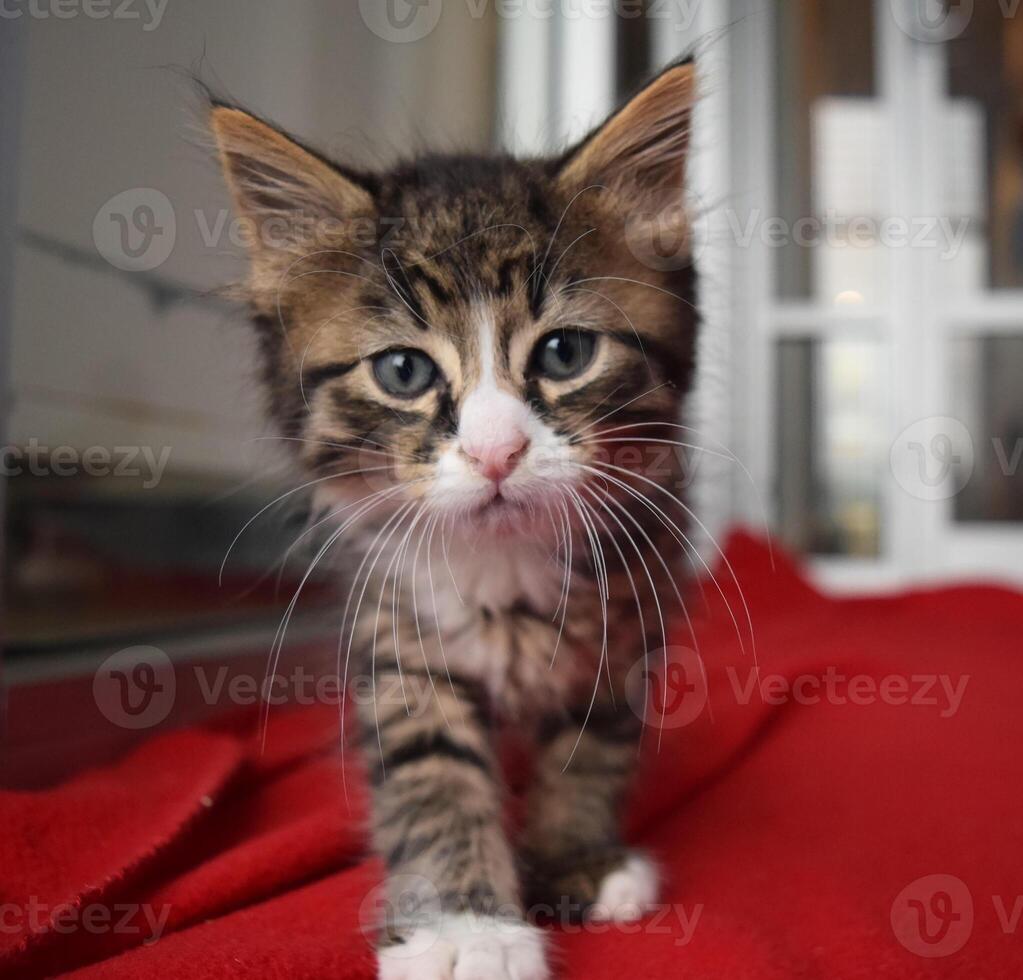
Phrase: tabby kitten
(472, 357)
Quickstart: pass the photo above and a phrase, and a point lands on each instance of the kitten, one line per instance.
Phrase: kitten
(473, 358)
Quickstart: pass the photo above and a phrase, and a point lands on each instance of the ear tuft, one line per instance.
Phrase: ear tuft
(641, 149)
(280, 188)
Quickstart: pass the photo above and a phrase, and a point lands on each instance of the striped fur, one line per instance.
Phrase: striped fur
(524, 607)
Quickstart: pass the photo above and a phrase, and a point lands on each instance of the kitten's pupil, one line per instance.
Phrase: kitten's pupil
(562, 350)
(404, 368)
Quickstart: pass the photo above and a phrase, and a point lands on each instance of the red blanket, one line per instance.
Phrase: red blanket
(853, 810)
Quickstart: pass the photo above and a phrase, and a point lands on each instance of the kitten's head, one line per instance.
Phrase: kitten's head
(462, 329)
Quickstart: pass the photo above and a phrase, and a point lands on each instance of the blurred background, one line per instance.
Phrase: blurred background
(857, 192)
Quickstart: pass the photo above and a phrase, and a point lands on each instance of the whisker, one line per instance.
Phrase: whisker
(667, 572)
(653, 592)
(276, 500)
(444, 546)
(566, 583)
(334, 513)
(436, 619)
(667, 442)
(344, 616)
(278, 642)
(728, 454)
(677, 534)
(395, 564)
(579, 504)
(394, 287)
(538, 268)
(664, 384)
(359, 447)
(724, 558)
(578, 238)
(394, 523)
(637, 282)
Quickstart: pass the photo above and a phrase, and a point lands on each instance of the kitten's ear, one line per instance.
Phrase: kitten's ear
(292, 201)
(640, 151)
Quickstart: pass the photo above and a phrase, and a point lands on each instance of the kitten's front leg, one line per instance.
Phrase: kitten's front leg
(576, 863)
(455, 911)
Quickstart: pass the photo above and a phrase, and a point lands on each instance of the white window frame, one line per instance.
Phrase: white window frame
(920, 539)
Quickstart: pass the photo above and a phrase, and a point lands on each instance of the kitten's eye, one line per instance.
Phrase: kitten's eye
(404, 373)
(564, 354)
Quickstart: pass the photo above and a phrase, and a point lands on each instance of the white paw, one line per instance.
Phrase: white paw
(467, 947)
(628, 893)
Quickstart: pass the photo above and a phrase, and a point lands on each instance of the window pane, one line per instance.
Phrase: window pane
(987, 373)
(984, 174)
(828, 152)
(831, 445)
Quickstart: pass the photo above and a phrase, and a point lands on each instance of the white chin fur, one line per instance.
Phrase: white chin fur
(467, 947)
(628, 893)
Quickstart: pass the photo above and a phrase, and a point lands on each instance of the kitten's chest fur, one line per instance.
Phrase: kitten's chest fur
(504, 616)
(498, 616)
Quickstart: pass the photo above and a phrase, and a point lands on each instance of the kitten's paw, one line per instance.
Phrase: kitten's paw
(467, 947)
(627, 893)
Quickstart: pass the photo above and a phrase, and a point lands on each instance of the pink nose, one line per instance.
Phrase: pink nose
(497, 459)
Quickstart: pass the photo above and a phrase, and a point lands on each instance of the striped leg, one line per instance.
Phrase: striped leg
(575, 861)
(452, 886)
